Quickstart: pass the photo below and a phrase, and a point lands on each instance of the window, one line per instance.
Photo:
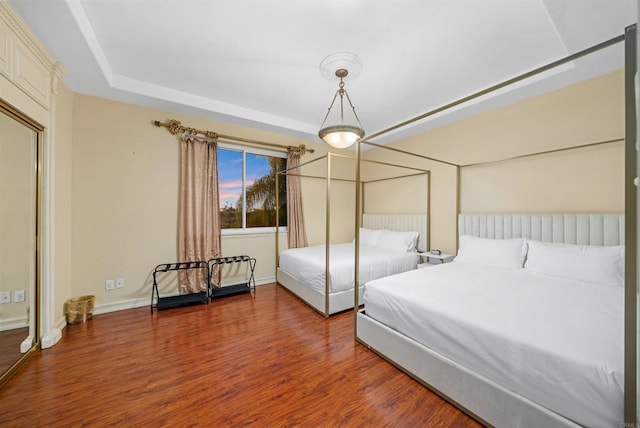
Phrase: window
(246, 182)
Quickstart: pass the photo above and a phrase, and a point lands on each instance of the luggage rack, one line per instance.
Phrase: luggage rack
(213, 291)
(216, 290)
(181, 299)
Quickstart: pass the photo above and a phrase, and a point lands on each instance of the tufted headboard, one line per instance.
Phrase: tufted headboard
(583, 229)
(399, 223)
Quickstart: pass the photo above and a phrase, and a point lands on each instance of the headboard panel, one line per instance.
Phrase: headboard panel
(583, 229)
(399, 223)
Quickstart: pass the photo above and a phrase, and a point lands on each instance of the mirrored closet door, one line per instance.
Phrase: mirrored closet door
(20, 183)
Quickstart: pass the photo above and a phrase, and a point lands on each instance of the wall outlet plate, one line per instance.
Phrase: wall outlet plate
(18, 296)
(120, 283)
(5, 297)
(109, 284)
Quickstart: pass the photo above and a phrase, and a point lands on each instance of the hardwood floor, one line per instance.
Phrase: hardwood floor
(268, 361)
(10, 341)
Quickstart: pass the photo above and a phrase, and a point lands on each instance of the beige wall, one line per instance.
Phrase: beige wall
(581, 180)
(397, 195)
(572, 181)
(412, 198)
(125, 193)
(341, 204)
(340, 165)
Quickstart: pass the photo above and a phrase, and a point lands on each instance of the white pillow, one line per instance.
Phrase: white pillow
(398, 241)
(500, 253)
(587, 263)
(369, 236)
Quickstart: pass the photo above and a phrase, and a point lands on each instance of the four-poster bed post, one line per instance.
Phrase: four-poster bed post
(328, 179)
(356, 239)
(327, 229)
(631, 231)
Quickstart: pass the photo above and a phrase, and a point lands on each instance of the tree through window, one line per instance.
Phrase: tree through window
(247, 195)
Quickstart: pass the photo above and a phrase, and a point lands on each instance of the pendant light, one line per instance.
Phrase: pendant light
(341, 135)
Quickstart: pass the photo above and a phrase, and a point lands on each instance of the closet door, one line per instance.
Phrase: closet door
(20, 164)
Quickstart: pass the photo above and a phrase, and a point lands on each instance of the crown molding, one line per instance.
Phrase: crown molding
(22, 31)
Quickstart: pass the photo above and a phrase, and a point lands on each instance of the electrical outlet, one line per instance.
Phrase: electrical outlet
(5, 296)
(109, 284)
(120, 283)
(18, 296)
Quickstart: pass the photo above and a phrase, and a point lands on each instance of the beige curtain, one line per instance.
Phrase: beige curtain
(297, 234)
(198, 212)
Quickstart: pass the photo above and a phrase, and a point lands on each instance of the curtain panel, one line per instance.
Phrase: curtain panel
(199, 234)
(297, 234)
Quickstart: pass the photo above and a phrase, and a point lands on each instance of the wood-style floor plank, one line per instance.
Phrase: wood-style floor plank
(10, 341)
(265, 361)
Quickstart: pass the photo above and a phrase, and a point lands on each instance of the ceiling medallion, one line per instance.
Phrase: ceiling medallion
(341, 60)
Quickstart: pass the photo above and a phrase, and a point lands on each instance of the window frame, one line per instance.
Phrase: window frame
(244, 230)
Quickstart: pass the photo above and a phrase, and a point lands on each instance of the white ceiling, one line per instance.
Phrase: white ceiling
(255, 62)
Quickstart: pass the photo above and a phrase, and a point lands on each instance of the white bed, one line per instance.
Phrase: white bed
(303, 270)
(513, 347)
(309, 264)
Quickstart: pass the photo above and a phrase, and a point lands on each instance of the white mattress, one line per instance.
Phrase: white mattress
(307, 265)
(556, 342)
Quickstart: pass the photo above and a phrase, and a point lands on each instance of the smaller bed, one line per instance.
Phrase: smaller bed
(388, 245)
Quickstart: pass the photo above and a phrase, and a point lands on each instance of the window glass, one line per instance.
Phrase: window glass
(260, 190)
(230, 188)
(246, 183)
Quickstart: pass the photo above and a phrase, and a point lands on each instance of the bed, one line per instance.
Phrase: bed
(389, 245)
(516, 347)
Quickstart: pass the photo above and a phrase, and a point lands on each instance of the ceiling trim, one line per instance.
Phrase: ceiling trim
(90, 37)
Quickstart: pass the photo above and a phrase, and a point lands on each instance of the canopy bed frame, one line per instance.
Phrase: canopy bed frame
(488, 401)
(328, 302)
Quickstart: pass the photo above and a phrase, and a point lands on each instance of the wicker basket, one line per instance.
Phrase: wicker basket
(79, 309)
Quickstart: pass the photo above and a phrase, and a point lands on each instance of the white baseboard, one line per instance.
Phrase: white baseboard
(62, 323)
(13, 323)
(266, 280)
(105, 308)
(54, 336)
(26, 344)
(51, 338)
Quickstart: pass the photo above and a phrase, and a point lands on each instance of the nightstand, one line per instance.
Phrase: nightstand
(434, 259)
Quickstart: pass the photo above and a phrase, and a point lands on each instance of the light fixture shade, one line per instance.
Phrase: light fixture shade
(341, 136)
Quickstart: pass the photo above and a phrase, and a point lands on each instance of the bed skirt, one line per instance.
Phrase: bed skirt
(338, 301)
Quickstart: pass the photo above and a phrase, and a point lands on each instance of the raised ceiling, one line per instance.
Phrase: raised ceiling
(255, 62)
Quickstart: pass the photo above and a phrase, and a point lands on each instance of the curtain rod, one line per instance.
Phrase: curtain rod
(175, 127)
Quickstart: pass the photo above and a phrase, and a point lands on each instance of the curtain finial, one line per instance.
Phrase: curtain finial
(301, 149)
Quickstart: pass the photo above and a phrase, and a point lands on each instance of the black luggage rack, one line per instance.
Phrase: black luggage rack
(217, 290)
(214, 289)
(181, 299)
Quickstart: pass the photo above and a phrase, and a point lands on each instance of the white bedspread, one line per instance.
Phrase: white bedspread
(557, 342)
(308, 265)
